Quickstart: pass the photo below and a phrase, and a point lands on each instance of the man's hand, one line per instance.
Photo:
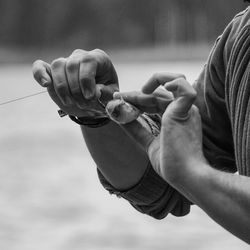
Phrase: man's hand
(180, 140)
(181, 134)
(152, 98)
(76, 83)
(176, 155)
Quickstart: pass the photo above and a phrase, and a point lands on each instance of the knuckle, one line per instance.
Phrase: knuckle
(182, 76)
(88, 58)
(72, 65)
(192, 94)
(37, 63)
(181, 81)
(57, 63)
(101, 57)
(78, 51)
(100, 52)
(155, 76)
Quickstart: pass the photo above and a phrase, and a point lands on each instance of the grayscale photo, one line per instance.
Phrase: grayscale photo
(125, 125)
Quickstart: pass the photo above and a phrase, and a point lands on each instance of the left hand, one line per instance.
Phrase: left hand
(78, 82)
(179, 143)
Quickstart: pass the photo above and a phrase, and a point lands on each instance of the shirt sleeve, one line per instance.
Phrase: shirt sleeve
(213, 90)
(152, 195)
(237, 91)
(216, 100)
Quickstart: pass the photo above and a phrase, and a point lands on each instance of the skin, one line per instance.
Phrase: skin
(176, 154)
(74, 84)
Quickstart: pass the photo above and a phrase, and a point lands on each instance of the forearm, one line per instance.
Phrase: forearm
(224, 197)
(117, 156)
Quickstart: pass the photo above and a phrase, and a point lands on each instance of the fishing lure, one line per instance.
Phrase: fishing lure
(122, 112)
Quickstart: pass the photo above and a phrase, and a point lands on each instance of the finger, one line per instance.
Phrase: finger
(78, 52)
(139, 133)
(87, 73)
(184, 95)
(163, 93)
(60, 83)
(74, 77)
(146, 103)
(42, 73)
(159, 79)
(72, 71)
(105, 92)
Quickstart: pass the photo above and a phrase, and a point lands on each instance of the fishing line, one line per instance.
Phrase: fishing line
(22, 98)
(122, 12)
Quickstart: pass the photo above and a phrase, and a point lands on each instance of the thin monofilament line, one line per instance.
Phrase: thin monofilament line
(21, 98)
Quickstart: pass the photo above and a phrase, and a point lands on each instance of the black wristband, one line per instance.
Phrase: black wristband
(90, 122)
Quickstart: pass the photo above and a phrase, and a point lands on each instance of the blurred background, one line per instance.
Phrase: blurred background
(50, 197)
(61, 26)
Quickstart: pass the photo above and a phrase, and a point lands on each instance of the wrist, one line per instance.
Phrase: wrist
(191, 172)
(195, 169)
(92, 122)
(89, 121)
(196, 175)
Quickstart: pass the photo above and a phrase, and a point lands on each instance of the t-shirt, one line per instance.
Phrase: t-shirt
(223, 99)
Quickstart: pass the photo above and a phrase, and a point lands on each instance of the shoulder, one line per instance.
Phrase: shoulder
(225, 43)
(245, 12)
(234, 30)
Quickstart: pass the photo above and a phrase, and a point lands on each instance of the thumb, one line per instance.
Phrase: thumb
(105, 92)
(184, 95)
(42, 73)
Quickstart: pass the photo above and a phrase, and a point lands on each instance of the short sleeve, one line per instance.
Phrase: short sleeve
(238, 98)
(212, 97)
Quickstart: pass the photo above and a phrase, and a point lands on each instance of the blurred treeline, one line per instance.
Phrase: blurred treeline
(92, 23)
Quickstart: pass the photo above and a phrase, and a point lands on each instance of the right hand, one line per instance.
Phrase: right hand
(76, 83)
(152, 99)
(180, 138)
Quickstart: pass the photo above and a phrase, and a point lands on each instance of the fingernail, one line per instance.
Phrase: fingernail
(45, 82)
(88, 94)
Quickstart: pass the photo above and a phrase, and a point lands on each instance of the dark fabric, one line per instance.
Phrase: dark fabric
(152, 195)
(237, 99)
(223, 94)
(223, 99)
